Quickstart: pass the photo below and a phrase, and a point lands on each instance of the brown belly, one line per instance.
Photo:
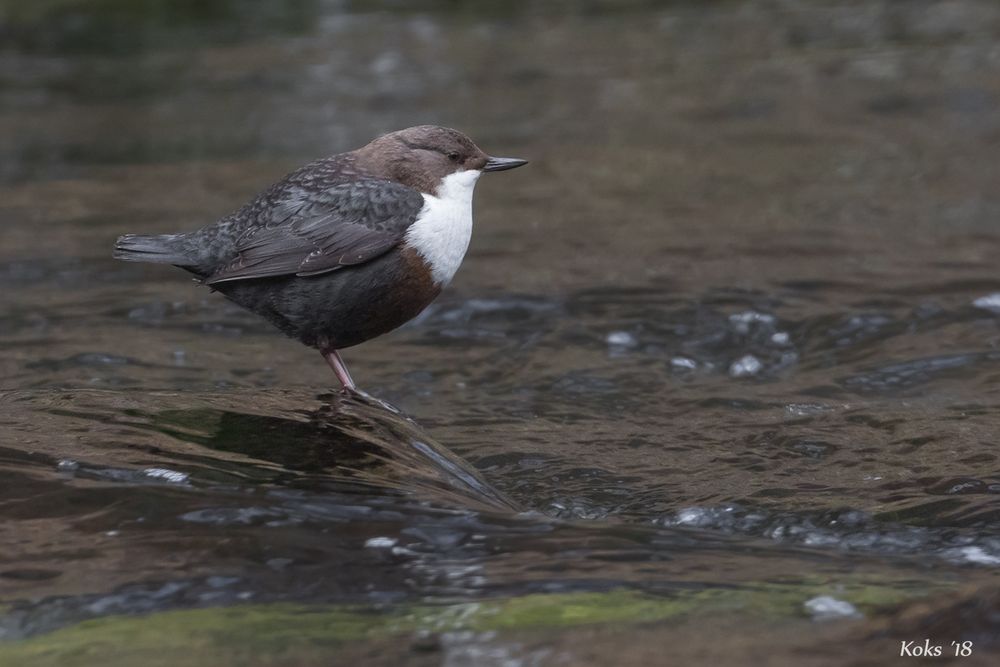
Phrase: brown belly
(344, 307)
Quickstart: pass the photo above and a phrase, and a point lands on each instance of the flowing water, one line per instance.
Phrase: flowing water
(719, 381)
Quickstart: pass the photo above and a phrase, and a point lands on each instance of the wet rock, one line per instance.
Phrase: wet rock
(990, 302)
(825, 608)
(746, 366)
(621, 339)
(683, 363)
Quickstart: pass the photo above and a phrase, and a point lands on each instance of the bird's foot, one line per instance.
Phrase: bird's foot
(340, 369)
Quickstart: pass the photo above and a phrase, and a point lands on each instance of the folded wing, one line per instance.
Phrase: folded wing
(309, 233)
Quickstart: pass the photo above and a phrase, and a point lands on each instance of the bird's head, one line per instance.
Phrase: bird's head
(423, 157)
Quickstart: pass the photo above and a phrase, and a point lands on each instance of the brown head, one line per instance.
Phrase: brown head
(420, 157)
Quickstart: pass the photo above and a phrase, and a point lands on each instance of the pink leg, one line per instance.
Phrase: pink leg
(339, 367)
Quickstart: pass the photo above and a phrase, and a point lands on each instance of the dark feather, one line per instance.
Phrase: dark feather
(311, 233)
(161, 249)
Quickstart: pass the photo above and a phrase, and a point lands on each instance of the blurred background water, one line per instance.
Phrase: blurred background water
(721, 363)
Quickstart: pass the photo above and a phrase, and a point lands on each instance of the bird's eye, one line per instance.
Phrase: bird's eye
(453, 156)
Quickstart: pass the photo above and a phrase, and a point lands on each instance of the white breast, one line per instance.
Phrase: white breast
(443, 228)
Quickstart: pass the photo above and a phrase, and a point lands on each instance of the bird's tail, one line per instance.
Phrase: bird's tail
(161, 249)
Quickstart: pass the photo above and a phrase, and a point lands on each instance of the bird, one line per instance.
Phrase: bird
(345, 248)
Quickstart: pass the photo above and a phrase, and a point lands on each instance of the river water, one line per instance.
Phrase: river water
(717, 382)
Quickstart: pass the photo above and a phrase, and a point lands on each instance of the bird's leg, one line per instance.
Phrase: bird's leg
(339, 367)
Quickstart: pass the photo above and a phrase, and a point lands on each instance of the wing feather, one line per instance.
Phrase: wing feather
(314, 233)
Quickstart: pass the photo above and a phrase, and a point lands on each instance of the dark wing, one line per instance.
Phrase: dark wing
(307, 233)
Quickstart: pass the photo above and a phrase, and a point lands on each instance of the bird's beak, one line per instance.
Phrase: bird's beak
(502, 163)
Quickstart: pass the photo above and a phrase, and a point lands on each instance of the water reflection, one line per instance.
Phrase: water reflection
(352, 440)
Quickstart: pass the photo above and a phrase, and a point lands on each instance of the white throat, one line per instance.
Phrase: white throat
(443, 228)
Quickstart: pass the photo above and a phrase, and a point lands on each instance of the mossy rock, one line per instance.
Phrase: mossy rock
(285, 633)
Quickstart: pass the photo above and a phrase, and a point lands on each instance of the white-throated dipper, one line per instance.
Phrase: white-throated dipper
(343, 249)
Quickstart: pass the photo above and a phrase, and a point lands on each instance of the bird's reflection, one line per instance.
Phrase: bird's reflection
(351, 440)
